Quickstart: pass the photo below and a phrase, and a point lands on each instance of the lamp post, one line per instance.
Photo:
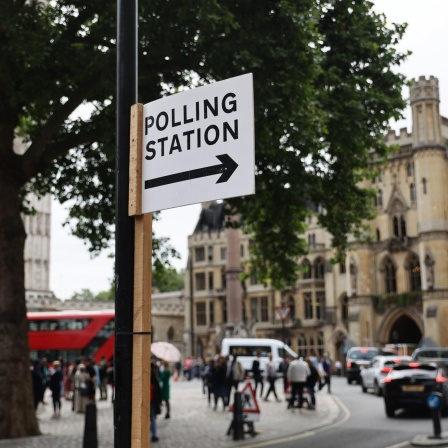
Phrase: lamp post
(283, 311)
(190, 273)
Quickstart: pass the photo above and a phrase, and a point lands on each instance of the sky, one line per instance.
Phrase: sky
(71, 267)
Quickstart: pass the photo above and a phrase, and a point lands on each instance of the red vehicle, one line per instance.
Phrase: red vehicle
(71, 334)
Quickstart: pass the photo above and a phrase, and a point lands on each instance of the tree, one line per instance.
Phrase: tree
(324, 93)
(105, 296)
(84, 295)
(167, 279)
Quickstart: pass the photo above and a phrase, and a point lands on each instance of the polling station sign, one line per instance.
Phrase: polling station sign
(199, 145)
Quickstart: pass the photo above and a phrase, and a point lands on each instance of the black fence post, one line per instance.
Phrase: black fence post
(90, 428)
(238, 421)
(436, 424)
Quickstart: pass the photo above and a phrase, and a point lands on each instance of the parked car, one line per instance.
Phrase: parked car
(408, 385)
(359, 357)
(373, 375)
(435, 354)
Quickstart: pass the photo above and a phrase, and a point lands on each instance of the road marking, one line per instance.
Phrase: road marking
(303, 435)
(399, 445)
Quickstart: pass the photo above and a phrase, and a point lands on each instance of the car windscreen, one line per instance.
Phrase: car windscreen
(365, 354)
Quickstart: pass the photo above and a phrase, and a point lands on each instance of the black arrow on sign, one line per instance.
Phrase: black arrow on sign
(226, 168)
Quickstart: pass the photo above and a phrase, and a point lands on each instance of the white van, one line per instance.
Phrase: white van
(247, 348)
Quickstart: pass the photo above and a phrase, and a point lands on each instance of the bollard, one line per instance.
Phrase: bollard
(434, 402)
(238, 421)
(90, 429)
(436, 424)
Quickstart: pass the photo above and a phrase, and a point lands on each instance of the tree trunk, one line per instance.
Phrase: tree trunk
(17, 416)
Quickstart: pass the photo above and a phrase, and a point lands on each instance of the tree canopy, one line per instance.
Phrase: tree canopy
(325, 90)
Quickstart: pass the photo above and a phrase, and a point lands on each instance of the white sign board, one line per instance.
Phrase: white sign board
(199, 145)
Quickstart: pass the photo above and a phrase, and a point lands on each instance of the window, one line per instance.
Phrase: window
(389, 276)
(312, 240)
(259, 309)
(292, 307)
(424, 182)
(412, 192)
(211, 313)
(223, 253)
(307, 305)
(381, 176)
(210, 253)
(378, 235)
(399, 226)
(319, 268)
(344, 311)
(410, 169)
(223, 279)
(402, 226)
(199, 254)
(254, 309)
(415, 281)
(201, 318)
(224, 311)
(200, 281)
(320, 305)
(210, 281)
(353, 278)
(58, 324)
(306, 265)
(320, 343)
(253, 280)
(395, 225)
(342, 268)
(380, 198)
(264, 315)
(170, 334)
(301, 344)
(242, 250)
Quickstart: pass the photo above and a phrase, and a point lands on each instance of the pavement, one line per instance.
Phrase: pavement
(193, 422)
(430, 440)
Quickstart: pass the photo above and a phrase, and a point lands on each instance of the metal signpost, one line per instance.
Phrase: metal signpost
(283, 311)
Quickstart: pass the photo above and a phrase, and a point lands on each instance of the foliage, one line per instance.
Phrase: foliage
(88, 296)
(106, 296)
(324, 94)
(166, 279)
(84, 295)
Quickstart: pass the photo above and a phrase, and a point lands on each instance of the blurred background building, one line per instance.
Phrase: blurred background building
(391, 290)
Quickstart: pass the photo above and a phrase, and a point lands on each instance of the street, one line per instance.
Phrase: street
(364, 423)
